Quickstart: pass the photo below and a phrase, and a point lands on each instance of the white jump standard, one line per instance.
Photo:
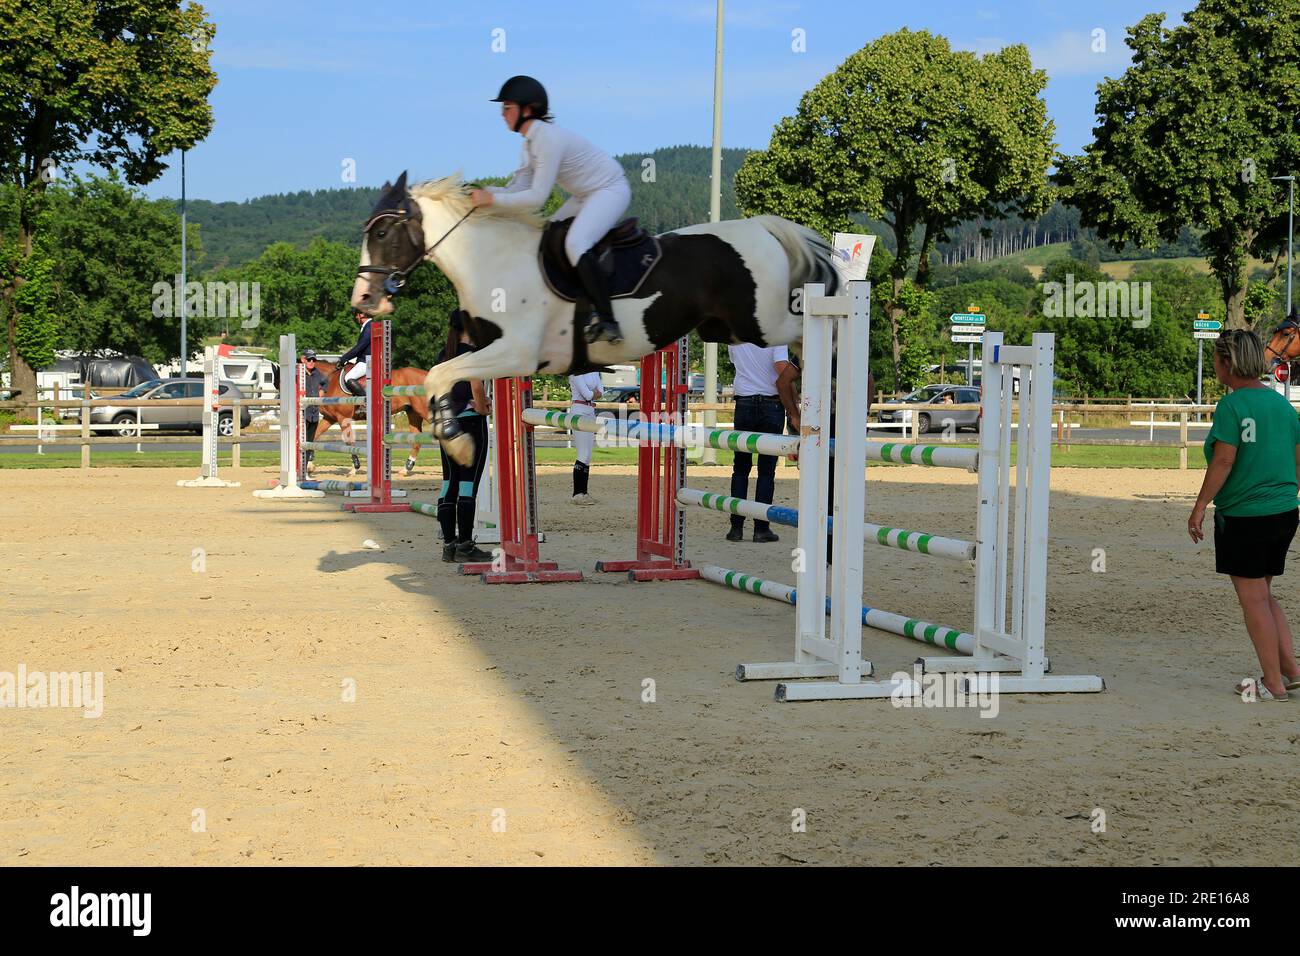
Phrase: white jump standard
(292, 376)
(1007, 639)
(208, 477)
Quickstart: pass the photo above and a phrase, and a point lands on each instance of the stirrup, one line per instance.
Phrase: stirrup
(604, 330)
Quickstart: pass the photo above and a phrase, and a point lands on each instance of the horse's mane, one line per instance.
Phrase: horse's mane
(454, 192)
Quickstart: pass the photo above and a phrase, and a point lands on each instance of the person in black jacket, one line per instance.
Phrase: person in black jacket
(354, 379)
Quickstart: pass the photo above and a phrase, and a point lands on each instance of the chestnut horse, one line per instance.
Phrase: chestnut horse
(1284, 346)
(416, 407)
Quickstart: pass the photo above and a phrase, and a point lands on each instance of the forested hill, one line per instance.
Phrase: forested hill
(670, 193)
(670, 189)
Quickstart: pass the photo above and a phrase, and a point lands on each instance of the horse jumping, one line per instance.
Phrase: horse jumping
(733, 281)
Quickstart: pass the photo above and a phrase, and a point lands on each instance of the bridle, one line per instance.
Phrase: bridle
(409, 216)
(1293, 330)
(395, 279)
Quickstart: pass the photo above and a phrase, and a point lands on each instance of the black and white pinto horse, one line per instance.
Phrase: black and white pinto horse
(733, 281)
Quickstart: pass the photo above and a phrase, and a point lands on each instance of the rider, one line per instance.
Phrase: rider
(360, 352)
(598, 190)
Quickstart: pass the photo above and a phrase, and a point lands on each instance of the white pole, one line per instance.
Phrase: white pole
(1200, 356)
(184, 310)
(1290, 234)
(290, 415)
(715, 213)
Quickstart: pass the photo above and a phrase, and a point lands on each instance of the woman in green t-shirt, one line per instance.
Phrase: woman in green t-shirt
(1254, 462)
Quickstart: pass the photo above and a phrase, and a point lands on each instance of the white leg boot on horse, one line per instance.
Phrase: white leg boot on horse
(346, 426)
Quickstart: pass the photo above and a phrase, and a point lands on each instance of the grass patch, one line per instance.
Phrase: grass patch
(1073, 456)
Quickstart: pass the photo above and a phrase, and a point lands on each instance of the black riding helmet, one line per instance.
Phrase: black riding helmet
(525, 91)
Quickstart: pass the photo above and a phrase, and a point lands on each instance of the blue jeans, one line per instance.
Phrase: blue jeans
(756, 413)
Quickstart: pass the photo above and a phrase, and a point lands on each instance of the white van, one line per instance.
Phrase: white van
(253, 374)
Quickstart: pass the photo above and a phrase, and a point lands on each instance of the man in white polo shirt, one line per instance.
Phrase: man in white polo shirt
(765, 395)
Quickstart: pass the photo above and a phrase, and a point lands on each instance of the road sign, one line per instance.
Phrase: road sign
(1207, 325)
(1205, 335)
(967, 329)
(1281, 373)
(968, 338)
(967, 318)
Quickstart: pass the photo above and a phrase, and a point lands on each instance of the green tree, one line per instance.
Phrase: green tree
(909, 131)
(111, 83)
(916, 306)
(1109, 355)
(114, 246)
(1191, 133)
(306, 292)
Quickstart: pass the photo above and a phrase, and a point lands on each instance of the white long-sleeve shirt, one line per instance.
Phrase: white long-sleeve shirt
(553, 155)
(585, 387)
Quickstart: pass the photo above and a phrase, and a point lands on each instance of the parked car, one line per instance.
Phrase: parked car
(929, 402)
(623, 394)
(167, 414)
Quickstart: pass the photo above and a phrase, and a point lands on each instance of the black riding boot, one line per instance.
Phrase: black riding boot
(603, 326)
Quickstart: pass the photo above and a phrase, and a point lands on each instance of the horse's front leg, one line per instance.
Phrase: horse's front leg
(502, 359)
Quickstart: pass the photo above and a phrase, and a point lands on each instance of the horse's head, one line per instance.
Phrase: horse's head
(1284, 346)
(391, 246)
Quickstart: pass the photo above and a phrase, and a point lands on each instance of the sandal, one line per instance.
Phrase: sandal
(1257, 687)
(1291, 683)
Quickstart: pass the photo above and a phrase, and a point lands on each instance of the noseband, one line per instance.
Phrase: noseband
(408, 216)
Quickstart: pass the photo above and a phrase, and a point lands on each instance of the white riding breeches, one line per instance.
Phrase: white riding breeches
(356, 371)
(593, 215)
(584, 442)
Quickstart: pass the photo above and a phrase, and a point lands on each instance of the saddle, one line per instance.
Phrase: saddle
(626, 254)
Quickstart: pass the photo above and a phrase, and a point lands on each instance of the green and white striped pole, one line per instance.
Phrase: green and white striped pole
(899, 538)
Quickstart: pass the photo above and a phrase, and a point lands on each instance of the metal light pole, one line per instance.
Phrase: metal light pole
(184, 298)
(1290, 233)
(710, 456)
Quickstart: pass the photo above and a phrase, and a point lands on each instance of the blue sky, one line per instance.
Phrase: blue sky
(305, 86)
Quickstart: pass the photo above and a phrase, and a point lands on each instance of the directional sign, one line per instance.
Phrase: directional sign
(1205, 335)
(967, 329)
(1207, 325)
(968, 338)
(967, 318)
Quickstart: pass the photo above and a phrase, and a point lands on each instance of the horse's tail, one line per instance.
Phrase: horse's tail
(811, 257)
